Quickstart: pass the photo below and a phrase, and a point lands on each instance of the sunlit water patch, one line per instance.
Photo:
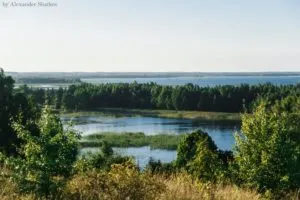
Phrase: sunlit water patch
(221, 133)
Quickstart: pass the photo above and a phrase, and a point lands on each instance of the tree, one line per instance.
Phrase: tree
(47, 158)
(268, 147)
(7, 138)
(198, 154)
(13, 102)
(206, 164)
(187, 148)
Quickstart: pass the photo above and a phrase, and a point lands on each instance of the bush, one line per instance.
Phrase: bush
(157, 167)
(188, 146)
(98, 161)
(47, 158)
(206, 165)
(123, 181)
(268, 148)
(198, 154)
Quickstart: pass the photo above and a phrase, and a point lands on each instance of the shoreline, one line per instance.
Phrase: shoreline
(173, 114)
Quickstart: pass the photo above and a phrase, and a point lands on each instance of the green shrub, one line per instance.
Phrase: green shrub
(123, 181)
(47, 158)
(157, 167)
(188, 146)
(198, 154)
(268, 148)
(100, 160)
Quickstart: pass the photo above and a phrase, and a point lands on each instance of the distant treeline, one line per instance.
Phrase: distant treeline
(225, 98)
(47, 80)
(143, 74)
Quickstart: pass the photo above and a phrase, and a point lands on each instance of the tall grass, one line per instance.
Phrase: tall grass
(126, 182)
(162, 141)
(181, 186)
(194, 115)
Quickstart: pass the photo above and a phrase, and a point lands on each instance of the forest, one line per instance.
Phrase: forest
(39, 156)
(225, 98)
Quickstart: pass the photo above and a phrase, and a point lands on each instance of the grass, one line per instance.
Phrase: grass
(125, 183)
(162, 141)
(193, 115)
(182, 186)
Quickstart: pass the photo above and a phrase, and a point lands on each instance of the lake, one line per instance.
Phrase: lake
(221, 133)
(202, 81)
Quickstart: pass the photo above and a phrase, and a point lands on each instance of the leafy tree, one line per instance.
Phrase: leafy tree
(206, 164)
(47, 157)
(187, 148)
(198, 154)
(7, 138)
(268, 147)
(13, 102)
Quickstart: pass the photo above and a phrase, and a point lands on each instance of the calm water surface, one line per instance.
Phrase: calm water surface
(221, 133)
(202, 81)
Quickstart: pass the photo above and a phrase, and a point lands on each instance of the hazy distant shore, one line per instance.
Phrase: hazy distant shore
(144, 74)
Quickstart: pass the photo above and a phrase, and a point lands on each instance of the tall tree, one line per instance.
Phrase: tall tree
(268, 148)
(7, 136)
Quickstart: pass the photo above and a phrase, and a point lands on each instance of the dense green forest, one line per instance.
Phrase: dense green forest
(39, 156)
(225, 98)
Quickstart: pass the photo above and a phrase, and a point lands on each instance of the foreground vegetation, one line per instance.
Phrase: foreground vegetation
(123, 181)
(162, 141)
(38, 158)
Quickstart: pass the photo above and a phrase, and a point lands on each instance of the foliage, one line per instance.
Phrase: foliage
(188, 147)
(206, 164)
(11, 104)
(226, 98)
(268, 147)
(122, 182)
(157, 167)
(47, 158)
(103, 160)
(198, 154)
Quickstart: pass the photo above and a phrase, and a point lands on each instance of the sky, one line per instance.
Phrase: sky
(151, 36)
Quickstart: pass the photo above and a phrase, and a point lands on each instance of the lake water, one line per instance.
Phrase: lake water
(141, 155)
(221, 133)
(202, 81)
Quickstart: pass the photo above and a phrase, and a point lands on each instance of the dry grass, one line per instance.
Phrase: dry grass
(124, 182)
(182, 187)
(8, 190)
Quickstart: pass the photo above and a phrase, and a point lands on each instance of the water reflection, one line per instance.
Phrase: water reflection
(221, 133)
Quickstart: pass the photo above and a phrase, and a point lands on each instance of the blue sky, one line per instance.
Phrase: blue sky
(156, 35)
